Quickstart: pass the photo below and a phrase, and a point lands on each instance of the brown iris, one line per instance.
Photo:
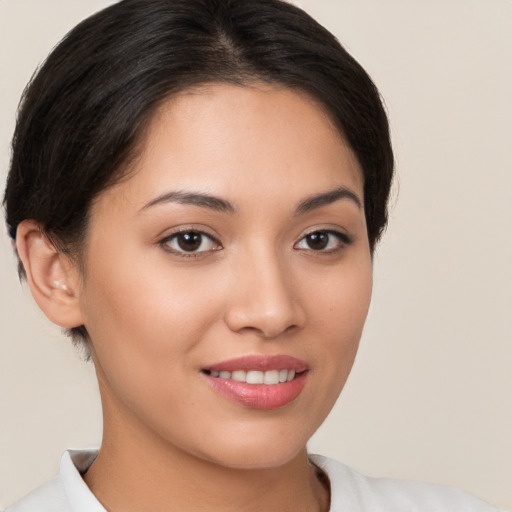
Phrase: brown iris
(317, 240)
(189, 241)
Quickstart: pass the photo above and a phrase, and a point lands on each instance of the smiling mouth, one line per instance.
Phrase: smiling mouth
(269, 377)
(259, 382)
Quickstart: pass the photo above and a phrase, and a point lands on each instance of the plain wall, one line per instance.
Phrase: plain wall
(430, 394)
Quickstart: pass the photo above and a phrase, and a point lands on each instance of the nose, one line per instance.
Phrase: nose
(264, 299)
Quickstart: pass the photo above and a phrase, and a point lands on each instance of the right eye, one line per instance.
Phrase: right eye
(190, 242)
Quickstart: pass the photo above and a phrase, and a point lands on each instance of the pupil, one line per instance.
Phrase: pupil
(190, 241)
(318, 241)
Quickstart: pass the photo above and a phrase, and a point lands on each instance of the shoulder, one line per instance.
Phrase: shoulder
(352, 491)
(50, 497)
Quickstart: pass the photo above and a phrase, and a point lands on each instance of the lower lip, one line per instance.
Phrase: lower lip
(260, 396)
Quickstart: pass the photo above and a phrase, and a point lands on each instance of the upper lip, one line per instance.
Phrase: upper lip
(261, 363)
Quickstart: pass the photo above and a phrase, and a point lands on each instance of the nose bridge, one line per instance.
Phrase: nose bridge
(265, 300)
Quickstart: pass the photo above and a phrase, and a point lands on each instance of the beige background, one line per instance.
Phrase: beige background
(430, 395)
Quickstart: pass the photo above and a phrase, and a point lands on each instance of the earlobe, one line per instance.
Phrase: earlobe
(52, 277)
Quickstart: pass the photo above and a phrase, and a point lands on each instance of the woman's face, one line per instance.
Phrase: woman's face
(237, 250)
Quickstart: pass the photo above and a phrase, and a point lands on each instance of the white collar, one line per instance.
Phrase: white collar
(72, 465)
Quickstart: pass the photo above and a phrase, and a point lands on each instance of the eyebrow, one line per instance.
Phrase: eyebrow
(193, 198)
(325, 198)
(222, 205)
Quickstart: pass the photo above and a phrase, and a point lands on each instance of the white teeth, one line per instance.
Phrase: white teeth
(239, 375)
(254, 377)
(270, 377)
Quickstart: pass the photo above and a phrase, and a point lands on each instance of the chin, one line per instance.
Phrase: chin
(256, 450)
(266, 457)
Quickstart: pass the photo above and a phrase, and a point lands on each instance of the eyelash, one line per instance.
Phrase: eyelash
(342, 241)
(203, 236)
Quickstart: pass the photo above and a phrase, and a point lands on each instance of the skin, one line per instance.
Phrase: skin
(157, 315)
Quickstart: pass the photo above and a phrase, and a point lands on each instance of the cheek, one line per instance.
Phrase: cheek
(144, 324)
(144, 330)
(141, 299)
(340, 305)
(338, 315)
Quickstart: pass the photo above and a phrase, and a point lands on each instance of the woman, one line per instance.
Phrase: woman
(222, 315)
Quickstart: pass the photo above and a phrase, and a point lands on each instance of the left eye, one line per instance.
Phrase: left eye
(322, 241)
(191, 242)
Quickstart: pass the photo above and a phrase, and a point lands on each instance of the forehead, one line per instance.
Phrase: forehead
(240, 142)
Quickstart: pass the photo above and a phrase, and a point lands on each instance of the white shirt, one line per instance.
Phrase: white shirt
(350, 491)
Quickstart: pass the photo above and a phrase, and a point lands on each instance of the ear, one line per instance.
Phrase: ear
(52, 277)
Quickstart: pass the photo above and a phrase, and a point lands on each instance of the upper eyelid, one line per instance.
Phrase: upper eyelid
(186, 229)
(336, 231)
